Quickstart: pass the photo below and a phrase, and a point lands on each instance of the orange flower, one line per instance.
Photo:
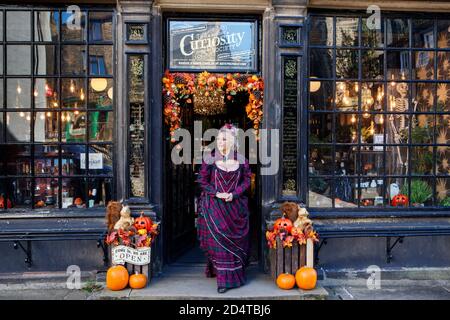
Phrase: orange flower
(220, 82)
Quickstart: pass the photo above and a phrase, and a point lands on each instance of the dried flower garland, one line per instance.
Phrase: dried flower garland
(179, 88)
(288, 237)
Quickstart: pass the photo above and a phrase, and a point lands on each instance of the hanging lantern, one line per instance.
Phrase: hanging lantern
(99, 84)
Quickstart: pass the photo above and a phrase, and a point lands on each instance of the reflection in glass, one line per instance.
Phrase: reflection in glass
(319, 195)
(397, 32)
(346, 32)
(346, 160)
(73, 59)
(46, 193)
(320, 95)
(45, 93)
(372, 37)
(320, 160)
(46, 26)
(320, 127)
(70, 159)
(397, 65)
(73, 26)
(19, 191)
(18, 60)
(1, 94)
(321, 31)
(1, 26)
(18, 93)
(347, 64)
(17, 159)
(45, 126)
(347, 95)
(103, 167)
(46, 60)
(100, 93)
(101, 126)
(100, 60)
(46, 160)
(100, 26)
(443, 33)
(345, 192)
(18, 26)
(423, 33)
(372, 64)
(1, 59)
(73, 126)
(18, 127)
(321, 63)
(73, 93)
(423, 63)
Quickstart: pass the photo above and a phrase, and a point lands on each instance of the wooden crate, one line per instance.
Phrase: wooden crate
(288, 260)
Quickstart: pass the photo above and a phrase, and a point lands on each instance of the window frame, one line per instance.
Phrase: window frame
(385, 210)
(86, 145)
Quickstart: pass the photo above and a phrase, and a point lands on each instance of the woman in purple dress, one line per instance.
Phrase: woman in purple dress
(223, 222)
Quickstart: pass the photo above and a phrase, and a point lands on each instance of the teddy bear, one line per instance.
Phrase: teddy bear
(289, 210)
(302, 221)
(125, 221)
(112, 213)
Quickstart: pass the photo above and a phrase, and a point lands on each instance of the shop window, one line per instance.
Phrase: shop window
(379, 118)
(56, 119)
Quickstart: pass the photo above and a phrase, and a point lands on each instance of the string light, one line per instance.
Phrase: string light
(19, 89)
(72, 87)
(81, 95)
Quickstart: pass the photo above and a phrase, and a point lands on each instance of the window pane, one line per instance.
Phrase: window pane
(443, 162)
(18, 159)
(320, 127)
(2, 126)
(18, 60)
(46, 25)
(345, 193)
(347, 64)
(18, 26)
(321, 63)
(46, 60)
(100, 60)
(420, 192)
(73, 193)
(397, 65)
(398, 95)
(422, 160)
(397, 32)
(101, 126)
(320, 160)
(346, 158)
(371, 35)
(423, 64)
(424, 97)
(45, 126)
(18, 126)
(347, 95)
(371, 163)
(1, 59)
(46, 160)
(320, 95)
(70, 159)
(396, 187)
(73, 126)
(100, 26)
(100, 93)
(1, 26)
(371, 191)
(321, 31)
(45, 93)
(396, 160)
(100, 192)
(423, 33)
(18, 93)
(1, 94)
(442, 133)
(442, 192)
(46, 193)
(73, 59)
(443, 67)
(372, 64)
(443, 97)
(347, 32)
(422, 128)
(443, 33)
(73, 26)
(101, 160)
(346, 128)
(19, 191)
(372, 96)
(73, 93)
(319, 195)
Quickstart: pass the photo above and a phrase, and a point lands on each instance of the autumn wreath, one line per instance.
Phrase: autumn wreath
(209, 90)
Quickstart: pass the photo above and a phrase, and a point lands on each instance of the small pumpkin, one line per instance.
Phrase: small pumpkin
(2, 203)
(40, 204)
(138, 281)
(286, 281)
(283, 223)
(400, 200)
(117, 278)
(306, 278)
(143, 223)
(78, 202)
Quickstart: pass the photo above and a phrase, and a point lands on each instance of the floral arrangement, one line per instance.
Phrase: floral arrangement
(141, 234)
(181, 87)
(288, 238)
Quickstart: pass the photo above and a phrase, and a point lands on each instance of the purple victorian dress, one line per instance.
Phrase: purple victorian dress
(223, 227)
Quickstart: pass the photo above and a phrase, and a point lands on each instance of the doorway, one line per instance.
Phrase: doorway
(182, 191)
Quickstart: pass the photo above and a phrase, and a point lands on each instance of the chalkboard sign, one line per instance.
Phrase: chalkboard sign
(196, 45)
(290, 124)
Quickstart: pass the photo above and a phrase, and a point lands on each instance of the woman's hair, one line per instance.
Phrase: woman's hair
(228, 127)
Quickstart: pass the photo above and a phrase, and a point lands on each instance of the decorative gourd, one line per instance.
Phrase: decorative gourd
(283, 223)
(286, 281)
(78, 202)
(400, 200)
(143, 222)
(2, 203)
(117, 278)
(138, 281)
(40, 204)
(306, 278)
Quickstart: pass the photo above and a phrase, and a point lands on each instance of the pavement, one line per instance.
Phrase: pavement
(188, 283)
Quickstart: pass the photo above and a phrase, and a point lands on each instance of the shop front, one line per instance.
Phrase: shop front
(351, 109)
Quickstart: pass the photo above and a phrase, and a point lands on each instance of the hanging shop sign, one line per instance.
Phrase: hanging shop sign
(213, 45)
(140, 256)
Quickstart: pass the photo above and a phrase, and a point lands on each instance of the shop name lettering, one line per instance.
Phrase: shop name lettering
(187, 41)
(122, 254)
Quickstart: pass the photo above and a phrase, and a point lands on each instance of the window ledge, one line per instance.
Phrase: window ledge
(53, 213)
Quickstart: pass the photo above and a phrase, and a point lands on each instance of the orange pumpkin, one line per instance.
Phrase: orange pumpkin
(138, 281)
(400, 200)
(283, 223)
(40, 204)
(306, 278)
(78, 202)
(285, 281)
(117, 278)
(143, 223)
(2, 203)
